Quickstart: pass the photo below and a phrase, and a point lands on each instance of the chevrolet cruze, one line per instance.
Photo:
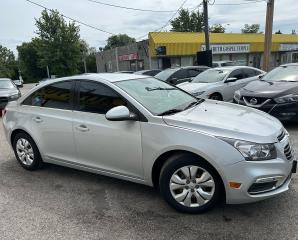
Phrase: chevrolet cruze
(137, 128)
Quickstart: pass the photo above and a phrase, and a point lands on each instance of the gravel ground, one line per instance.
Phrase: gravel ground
(61, 203)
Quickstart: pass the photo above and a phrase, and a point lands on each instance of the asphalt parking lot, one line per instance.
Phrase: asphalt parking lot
(61, 203)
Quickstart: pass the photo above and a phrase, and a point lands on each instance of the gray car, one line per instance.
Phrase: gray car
(140, 129)
(8, 92)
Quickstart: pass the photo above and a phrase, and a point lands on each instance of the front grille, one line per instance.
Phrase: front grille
(281, 136)
(256, 100)
(288, 152)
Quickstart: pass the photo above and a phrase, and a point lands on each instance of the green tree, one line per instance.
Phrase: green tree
(188, 21)
(278, 32)
(253, 28)
(60, 44)
(217, 28)
(293, 32)
(8, 64)
(118, 41)
(90, 58)
(28, 60)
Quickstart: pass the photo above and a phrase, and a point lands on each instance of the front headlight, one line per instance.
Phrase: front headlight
(287, 99)
(196, 94)
(253, 151)
(13, 97)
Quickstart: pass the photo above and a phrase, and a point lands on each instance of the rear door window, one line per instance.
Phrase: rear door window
(247, 72)
(57, 95)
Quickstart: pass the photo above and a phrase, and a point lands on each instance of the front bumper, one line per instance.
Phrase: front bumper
(283, 112)
(251, 173)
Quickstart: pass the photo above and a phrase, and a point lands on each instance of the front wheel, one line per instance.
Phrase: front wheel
(189, 184)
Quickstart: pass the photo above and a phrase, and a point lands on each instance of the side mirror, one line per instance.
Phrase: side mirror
(120, 113)
(261, 76)
(231, 79)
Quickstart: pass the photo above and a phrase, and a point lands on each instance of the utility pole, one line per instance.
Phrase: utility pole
(48, 71)
(206, 25)
(268, 35)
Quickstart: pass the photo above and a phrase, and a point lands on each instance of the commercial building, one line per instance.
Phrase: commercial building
(170, 49)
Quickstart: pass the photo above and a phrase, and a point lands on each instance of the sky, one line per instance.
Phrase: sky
(17, 18)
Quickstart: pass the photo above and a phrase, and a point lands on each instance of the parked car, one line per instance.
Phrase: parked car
(276, 93)
(130, 72)
(216, 64)
(19, 82)
(8, 92)
(150, 72)
(221, 83)
(42, 81)
(179, 75)
(144, 130)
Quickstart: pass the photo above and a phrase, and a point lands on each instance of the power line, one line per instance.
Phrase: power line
(70, 18)
(168, 22)
(130, 8)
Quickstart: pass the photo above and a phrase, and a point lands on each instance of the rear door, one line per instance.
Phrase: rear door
(113, 147)
(50, 112)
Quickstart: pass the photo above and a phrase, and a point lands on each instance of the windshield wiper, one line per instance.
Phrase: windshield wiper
(159, 89)
(171, 111)
(194, 104)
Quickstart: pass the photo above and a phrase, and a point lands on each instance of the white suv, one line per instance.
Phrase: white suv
(140, 129)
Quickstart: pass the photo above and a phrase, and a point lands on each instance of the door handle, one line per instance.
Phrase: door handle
(37, 119)
(82, 128)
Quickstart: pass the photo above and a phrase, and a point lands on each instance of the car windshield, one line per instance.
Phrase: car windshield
(157, 96)
(165, 74)
(211, 76)
(6, 84)
(284, 73)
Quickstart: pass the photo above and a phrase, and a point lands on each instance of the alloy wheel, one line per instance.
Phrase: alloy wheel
(25, 151)
(192, 186)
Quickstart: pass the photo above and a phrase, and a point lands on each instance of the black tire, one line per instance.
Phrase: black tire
(176, 162)
(216, 96)
(37, 160)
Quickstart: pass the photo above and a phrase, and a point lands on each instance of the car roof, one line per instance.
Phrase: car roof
(109, 77)
(222, 61)
(5, 79)
(230, 68)
(289, 64)
(147, 70)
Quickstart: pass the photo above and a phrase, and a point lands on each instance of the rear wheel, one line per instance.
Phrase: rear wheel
(216, 96)
(189, 184)
(26, 151)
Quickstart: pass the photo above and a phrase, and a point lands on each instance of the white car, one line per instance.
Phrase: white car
(223, 64)
(221, 83)
(144, 130)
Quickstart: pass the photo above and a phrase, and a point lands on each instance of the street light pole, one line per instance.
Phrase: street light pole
(206, 25)
(268, 35)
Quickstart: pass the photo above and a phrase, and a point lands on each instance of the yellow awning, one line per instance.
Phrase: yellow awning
(181, 43)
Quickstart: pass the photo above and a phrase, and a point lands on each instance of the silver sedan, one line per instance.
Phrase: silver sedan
(138, 128)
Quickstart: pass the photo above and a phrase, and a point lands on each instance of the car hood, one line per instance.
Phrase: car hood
(228, 120)
(8, 92)
(269, 89)
(195, 87)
